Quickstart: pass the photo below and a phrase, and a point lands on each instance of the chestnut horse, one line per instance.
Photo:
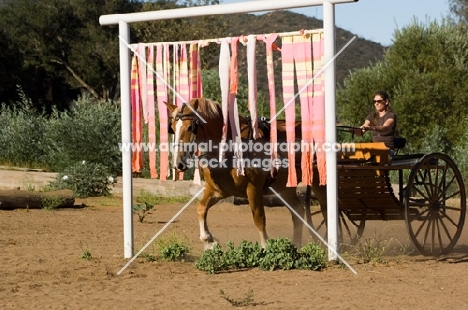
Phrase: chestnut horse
(200, 123)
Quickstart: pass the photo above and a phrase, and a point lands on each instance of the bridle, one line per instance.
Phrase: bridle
(187, 116)
(193, 128)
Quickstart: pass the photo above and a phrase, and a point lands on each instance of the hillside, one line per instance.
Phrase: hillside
(360, 53)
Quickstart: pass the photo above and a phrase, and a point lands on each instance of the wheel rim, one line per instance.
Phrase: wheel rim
(435, 204)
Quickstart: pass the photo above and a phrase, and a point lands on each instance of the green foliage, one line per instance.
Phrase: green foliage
(173, 248)
(174, 252)
(85, 180)
(63, 46)
(212, 261)
(371, 250)
(279, 254)
(246, 255)
(148, 257)
(460, 9)
(460, 155)
(86, 255)
(311, 257)
(424, 73)
(22, 135)
(142, 210)
(145, 196)
(90, 131)
(52, 202)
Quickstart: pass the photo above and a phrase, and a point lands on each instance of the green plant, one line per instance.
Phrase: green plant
(244, 302)
(371, 250)
(173, 248)
(279, 254)
(86, 255)
(22, 134)
(212, 261)
(52, 202)
(174, 252)
(142, 210)
(246, 255)
(312, 257)
(144, 196)
(85, 180)
(89, 131)
(148, 257)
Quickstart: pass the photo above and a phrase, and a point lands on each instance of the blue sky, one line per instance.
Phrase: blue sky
(376, 20)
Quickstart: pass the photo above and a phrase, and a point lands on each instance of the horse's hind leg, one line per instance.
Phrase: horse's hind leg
(206, 202)
(258, 212)
(290, 196)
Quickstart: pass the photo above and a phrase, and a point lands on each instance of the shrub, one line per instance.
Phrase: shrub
(85, 180)
(22, 135)
(89, 131)
(212, 261)
(279, 254)
(312, 257)
(173, 248)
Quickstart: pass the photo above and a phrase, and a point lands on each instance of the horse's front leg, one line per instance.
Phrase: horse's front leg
(205, 203)
(255, 197)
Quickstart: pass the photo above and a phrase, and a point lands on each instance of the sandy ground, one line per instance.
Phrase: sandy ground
(41, 265)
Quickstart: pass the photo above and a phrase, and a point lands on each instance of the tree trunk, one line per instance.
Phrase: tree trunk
(17, 199)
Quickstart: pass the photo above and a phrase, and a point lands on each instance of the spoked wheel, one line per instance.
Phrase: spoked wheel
(435, 204)
(350, 230)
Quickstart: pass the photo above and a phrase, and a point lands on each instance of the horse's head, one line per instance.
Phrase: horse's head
(184, 121)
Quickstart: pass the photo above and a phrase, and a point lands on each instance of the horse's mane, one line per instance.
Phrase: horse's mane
(207, 107)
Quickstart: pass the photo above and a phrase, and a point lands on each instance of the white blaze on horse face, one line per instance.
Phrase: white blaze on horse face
(176, 143)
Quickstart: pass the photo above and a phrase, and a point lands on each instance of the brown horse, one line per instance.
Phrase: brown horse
(200, 123)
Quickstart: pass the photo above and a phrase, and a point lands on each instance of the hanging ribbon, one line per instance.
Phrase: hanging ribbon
(270, 46)
(233, 110)
(151, 114)
(252, 80)
(137, 156)
(287, 55)
(162, 96)
(318, 99)
(224, 62)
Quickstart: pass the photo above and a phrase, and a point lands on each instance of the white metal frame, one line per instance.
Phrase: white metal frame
(232, 8)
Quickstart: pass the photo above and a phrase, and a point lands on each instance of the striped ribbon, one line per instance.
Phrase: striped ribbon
(137, 158)
(151, 113)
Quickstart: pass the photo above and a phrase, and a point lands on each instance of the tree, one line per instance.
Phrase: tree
(460, 9)
(62, 42)
(425, 72)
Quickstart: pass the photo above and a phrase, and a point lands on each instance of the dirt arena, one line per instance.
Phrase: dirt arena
(41, 265)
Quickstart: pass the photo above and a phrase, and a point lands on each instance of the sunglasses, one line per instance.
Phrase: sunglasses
(378, 101)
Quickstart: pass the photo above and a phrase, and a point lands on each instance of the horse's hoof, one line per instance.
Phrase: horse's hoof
(210, 245)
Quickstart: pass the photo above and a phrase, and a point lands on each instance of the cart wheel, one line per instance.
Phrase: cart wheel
(435, 204)
(350, 231)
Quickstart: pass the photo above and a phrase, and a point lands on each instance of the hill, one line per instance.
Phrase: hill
(360, 53)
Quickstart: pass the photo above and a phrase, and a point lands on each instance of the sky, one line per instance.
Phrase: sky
(376, 20)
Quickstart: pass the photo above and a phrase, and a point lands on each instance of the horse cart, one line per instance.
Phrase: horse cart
(430, 195)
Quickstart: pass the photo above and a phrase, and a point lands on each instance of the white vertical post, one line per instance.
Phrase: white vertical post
(330, 128)
(126, 119)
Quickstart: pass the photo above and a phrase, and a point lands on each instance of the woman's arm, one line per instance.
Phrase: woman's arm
(389, 123)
